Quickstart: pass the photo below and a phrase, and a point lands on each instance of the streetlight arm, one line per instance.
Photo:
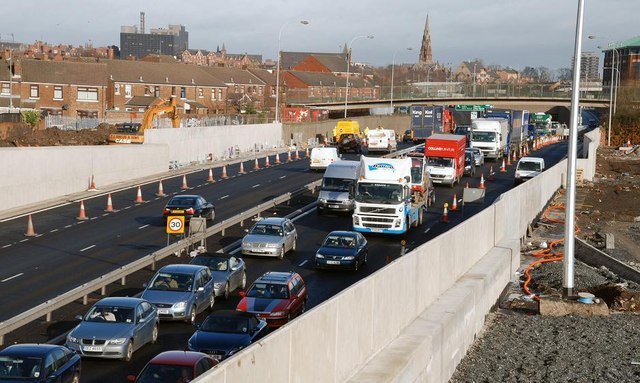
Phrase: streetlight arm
(346, 95)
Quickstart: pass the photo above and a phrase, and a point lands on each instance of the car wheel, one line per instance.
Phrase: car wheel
(225, 294)
(243, 284)
(154, 334)
(129, 353)
(281, 255)
(192, 315)
(212, 215)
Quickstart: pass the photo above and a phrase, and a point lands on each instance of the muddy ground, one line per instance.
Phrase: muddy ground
(19, 136)
(519, 345)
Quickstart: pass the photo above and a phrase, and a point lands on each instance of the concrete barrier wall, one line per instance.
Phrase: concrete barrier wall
(302, 132)
(590, 144)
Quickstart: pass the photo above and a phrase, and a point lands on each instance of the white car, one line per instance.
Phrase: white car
(528, 167)
(322, 157)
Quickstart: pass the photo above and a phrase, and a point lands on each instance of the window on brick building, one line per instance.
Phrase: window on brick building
(116, 88)
(183, 92)
(57, 92)
(34, 91)
(200, 93)
(87, 94)
(219, 94)
(260, 90)
(127, 90)
(6, 90)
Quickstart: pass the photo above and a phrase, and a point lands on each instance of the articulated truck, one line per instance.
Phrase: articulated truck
(383, 202)
(491, 136)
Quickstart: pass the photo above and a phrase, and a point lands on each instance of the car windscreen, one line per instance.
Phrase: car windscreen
(339, 241)
(529, 165)
(266, 229)
(156, 373)
(172, 282)
(216, 264)
(379, 193)
(19, 367)
(226, 324)
(337, 184)
(113, 314)
(268, 290)
(440, 162)
(186, 202)
(483, 136)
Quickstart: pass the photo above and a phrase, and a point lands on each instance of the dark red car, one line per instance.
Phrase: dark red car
(276, 297)
(174, 366)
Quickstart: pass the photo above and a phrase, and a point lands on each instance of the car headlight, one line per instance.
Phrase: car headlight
(272, 245)
(318, 255)
(72, 339)
(118, 341)
(349, 258)
(180, 305)
(278, 314)
(322, 200)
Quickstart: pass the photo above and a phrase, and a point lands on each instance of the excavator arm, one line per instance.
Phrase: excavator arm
(170, 107)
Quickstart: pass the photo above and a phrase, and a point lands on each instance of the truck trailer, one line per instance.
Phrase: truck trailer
(445, 158)
(490, 135)
(430, 119)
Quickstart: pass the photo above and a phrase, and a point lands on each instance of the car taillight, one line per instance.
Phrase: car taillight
(167, 211)
(190, 211)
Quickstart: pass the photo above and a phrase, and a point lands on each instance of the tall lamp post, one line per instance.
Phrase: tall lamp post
(474, 79)
(393, 65)
(303, 22)
(346, 95)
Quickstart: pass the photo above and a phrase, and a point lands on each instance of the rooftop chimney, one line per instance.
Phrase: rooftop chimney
(142, 22)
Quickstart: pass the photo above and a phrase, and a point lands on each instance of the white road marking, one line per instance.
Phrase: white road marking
(87, 248)
(255, 186)
(303, 262)
(105, 214)
(283, 177)
(143, 226)
(92, 218)
(24, 240)
(38, 235)
(10, 278)
(426, 231)
(53, 231)
(68, 226)
(224, 196)
(126, 207)
(5, 246)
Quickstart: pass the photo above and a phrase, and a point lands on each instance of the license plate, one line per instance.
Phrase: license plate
(92, 348)
(333, 262)
(177, 211)
(163, 311)
(334, 206)
(376, 230)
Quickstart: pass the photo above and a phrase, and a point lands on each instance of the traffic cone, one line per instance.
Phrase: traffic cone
(256, 165)
(491, 174)
(445, 214)
(210, 178)
(508, 160)
(454, 205)
(514, 156)
(184, 182)
(224, 171)
(109, 208)
(278, 159)
(466, 186)
(481, 180)
(139, 196)
(306, 153)
(266, 162)
(160, 192)
(297, 155)
(30, 230)
(503, 168)
(241, 171)
(92, 185)
(81, 216)
(289, 156)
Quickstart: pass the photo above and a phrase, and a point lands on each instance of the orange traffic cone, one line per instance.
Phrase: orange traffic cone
(481, 180)
(224, 171)
(92, 184)
(256, 165)
(160, 192)
(210, 178)
(241, 171)
(184, 182)
(514, 156)
(289, 156)
(508, 160)
(297, 155)
(491, 173)
(139, 196)
(278, 159)
(109, 208)
(306, 153)
(81, 216)
(30, 230)
(445, 214)
(454, 205)
(266, 162)
(503, 168)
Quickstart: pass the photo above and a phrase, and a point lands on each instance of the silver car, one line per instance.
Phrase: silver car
(477, 155)
(114, 328)
(180, 291)
(229, 272)
(270, 237)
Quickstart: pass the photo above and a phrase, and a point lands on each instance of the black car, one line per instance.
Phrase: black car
(39, 363)
(226, 332)
(189, 206)
(342, 249)
(349, 142)
(469, 164)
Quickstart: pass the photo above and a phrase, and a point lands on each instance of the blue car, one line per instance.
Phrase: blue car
(39, 363)
(342, 250)
(226, 332)
(180, 291)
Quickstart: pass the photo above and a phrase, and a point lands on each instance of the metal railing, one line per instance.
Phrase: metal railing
(183, 246)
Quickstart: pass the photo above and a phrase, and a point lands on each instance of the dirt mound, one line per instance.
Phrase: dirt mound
(23, 136)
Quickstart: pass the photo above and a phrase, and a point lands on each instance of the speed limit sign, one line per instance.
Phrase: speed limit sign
(175, 225)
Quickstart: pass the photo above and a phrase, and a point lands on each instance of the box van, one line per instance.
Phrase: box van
(346, 127)
(338, 187)
(322, 157)
(528, 167)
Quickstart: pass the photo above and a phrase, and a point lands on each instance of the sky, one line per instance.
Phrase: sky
(510, 33)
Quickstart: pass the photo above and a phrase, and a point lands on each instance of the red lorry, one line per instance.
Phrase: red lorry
(445, 157)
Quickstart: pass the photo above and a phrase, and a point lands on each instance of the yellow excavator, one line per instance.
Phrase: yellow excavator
(133, 133)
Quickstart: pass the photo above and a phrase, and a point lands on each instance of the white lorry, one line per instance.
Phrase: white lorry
(381, 140)
(383, 202)
(490, 135)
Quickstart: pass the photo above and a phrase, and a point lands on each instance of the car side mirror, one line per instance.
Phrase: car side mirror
(234, 268)
(145, 285)
(78, 317)
(142, 320)
(246, 230)
(242, 293)
(200, 288)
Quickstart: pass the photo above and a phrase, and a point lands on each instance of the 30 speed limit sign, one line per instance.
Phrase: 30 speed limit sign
(175, 225)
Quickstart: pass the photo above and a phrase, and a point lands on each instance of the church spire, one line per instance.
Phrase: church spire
(425, 50)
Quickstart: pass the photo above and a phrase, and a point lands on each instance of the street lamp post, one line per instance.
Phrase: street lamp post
(303, 22)
(346, 95)
(474, 79)
(393, 65)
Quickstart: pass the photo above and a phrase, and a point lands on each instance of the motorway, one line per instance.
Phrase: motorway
(41, 267)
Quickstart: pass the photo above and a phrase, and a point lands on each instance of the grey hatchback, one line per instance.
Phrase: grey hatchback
(180, 291)
(272, 236)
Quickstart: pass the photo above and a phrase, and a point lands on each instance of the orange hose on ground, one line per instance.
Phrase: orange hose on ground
(546, 255)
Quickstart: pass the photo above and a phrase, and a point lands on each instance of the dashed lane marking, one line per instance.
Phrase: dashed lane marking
(24, 240)
(87, 248)
(12, 277)
(5, 246)
(224, 196)
(68, 226)
(255, 186)
(283, 177)
(143, 226)
(303, 262)
(53, 231)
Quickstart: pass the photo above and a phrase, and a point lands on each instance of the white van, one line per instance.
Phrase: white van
(337, 192)
(322, 157)
(382, 140)
(528, 167)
